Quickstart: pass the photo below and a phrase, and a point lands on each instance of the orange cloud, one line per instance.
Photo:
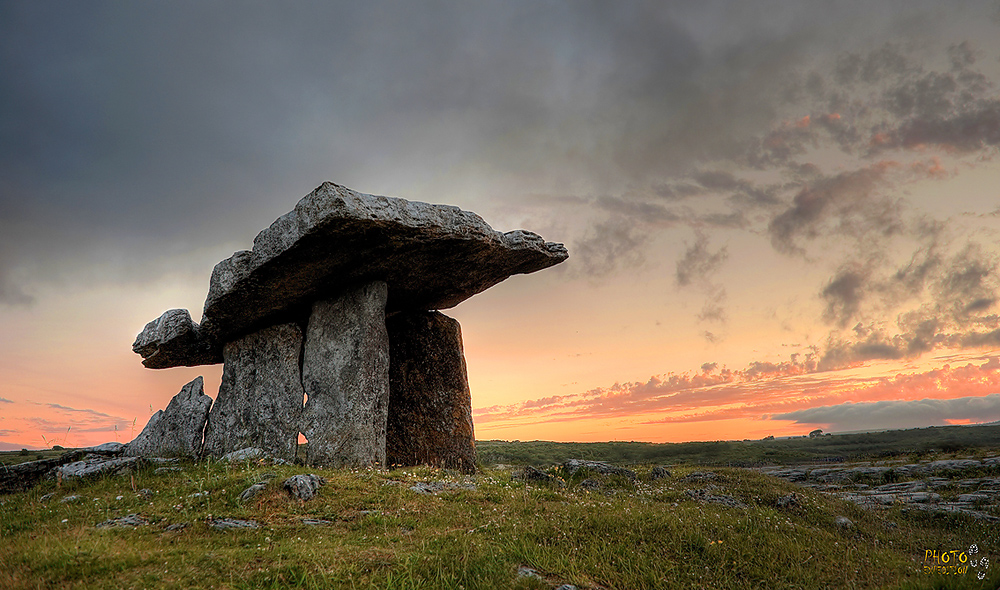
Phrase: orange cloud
(763, 391)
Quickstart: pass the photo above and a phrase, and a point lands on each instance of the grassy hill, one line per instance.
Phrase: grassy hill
(474, 533)
(916, 443)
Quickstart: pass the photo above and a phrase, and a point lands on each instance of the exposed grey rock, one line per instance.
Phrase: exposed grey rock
(953, 508)
(432, 257)
(46, 497)
(178, 430)
(906, 486)
(433, 487)
(592, 485)
(973, 498)
(316, 522)
(659, 472)
(146, 493)
(574, 465)
(173, 340)
(788, 501)
(844, 523)
(70, 499)
(177, 526)
(22, 476)
(260, 397)
(108, 448)
(706, 495)
(953, 465)
(247, 454)
(303, 487)
(130, 521)
(531, 475)
(227, 524)
(700, 476)
(566, 587)
(252, 491)
(526, 572)
(430, 406)
(93, 465)
(345, 374)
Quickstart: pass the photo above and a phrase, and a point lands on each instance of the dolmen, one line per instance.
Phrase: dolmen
(331, 327)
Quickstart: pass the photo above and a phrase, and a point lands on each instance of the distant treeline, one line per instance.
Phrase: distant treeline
(922, 442)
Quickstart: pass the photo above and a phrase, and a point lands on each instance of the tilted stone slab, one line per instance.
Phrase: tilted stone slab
(178, 430)
(345, 374)
(260, 397)
(431, 257)
(430, 406)
(174, 340)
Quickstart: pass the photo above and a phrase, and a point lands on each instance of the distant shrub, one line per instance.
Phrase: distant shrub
(24, 452)
(57, 448)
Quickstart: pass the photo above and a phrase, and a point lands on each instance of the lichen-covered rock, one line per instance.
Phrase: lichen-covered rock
(108, 448)
(178, 430)
(130, 521)
(431, 256)
(94, 465)
(430, 406)
(303, 487)
(573, 465)
(706, 495)
(531, 475)
(228, 524)
(250, 492)
(345, 374)
(174, 340)
(242, 455)
(260, 398)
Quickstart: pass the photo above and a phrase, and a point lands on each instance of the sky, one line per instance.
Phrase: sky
(781, 215)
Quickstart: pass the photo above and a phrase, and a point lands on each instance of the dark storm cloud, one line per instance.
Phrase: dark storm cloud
(145, 131)
(609, 246)
(847, 203)
(699, 263)
(647, 213)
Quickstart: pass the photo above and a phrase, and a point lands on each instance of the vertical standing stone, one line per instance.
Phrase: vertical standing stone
(260, 398)
(176, 431)
(430, 407)
(345, 374)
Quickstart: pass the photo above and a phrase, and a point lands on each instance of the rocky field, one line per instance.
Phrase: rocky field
(250, 523)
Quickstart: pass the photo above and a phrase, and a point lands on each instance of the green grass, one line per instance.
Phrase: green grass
(915, 444)
(629, 536)
(14, 457)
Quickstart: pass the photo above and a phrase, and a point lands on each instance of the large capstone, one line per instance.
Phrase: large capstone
(260, 398)
(345, 366)
(430, 256)
(430, 407)
(176, 431)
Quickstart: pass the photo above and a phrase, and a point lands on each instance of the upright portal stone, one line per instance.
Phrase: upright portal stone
(260, 398)
(176, 431)
(430, 407)
(345, 367)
